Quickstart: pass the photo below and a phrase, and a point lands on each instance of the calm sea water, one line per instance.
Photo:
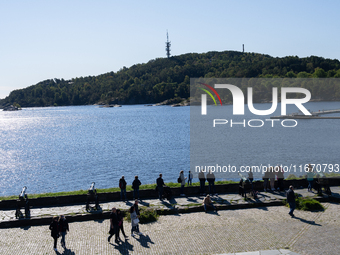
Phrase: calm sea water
(66, 148)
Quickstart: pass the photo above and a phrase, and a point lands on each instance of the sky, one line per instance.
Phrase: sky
(50, 39)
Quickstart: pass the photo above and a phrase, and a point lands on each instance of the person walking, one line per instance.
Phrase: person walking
(160, 184)
(207, 202)
(63, 228)
(201, 177)
(113, 225)
(54, 227)
(122, 186)
(190, 177)
(135, 186)
(211, 182)
(181, 176)
(120, 224)
(291, 200)
(134, 221)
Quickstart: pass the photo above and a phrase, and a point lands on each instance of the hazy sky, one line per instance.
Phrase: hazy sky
(68, 39)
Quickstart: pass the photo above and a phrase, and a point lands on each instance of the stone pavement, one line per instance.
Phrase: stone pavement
(265, 230)
(264, 198)
(262, 230)
(267, 252)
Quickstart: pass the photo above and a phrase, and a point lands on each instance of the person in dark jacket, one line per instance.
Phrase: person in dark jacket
(291, 200)
(211, 182)
(63, 228)
(160, 185)
(113, 225)
(135, 185)
(54, 227)
(280, 177)
(122, 186)
(201, 177)
(120, 224)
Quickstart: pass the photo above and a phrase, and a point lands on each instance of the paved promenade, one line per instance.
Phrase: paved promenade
(228, 231)
(263, 230)
(264, 198)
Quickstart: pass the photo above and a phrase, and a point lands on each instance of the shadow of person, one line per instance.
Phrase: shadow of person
(66, 252)
(128, 203)
(225, 202)
(311, 222)
(26, 227)
(262, 208)
(173, 200)
(123, 247)
(144, 203)
(193, 199)
(99, 220)
(213, 212)
(144, 240)
(168, 204)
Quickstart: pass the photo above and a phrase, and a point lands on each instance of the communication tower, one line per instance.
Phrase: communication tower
(167, 45)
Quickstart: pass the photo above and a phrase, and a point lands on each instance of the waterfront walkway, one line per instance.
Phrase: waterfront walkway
(263, 230)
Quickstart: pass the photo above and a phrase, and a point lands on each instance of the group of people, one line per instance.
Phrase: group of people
(59, 227)
(135, 186)
(269, 178)
(116, 223)
(210, 177)
(211, 181)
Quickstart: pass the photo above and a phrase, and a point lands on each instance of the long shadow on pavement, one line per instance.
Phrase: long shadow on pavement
(144, 240)
(26, 227)
(144, 203)
(65, 252)
(123, 247)
(311, 222)
(169, 205)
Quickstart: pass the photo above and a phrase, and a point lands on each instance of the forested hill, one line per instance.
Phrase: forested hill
(163, 78)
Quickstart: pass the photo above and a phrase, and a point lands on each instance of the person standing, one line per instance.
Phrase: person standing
(63, 228)
(310, 178)
(136, 207)
(211, 182)
(265, 179)
(54, 227)
(291, 200)
(251, 178)
(280, 177)
(135, 186)
(134, 221)
(251, 175)
(272, 178)
(160, 184)
(181, 176)
(201, 177)
(113, 225)
(190, 176)
(120, 224)
(122, 186)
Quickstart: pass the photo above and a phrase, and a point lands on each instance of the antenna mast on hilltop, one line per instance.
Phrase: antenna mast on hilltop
(168, 44)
